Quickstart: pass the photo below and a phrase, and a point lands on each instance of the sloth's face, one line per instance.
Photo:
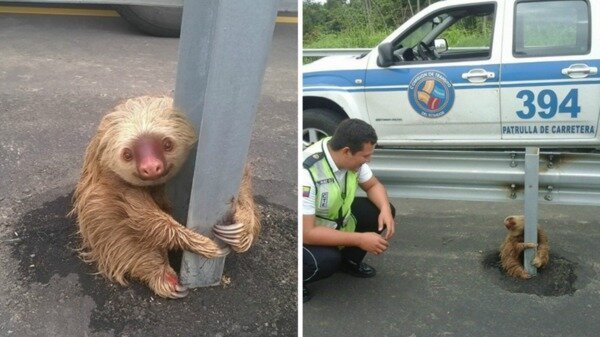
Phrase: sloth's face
(147, 142)
(149, 160)
(515, 224)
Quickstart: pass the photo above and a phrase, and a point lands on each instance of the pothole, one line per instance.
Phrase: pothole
(557, 278)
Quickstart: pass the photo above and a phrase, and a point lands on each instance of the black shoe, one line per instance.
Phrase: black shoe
(358, 269)
(306, 295)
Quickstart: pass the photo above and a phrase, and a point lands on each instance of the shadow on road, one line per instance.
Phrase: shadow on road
(258, 297)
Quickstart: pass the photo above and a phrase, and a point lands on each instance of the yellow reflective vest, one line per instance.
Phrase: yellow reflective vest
(333, 198)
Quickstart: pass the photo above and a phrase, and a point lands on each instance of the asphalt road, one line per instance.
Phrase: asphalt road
(440, 277)
(58, 76)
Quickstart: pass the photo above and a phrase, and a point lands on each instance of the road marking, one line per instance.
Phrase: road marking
(287, 19)
(57, 11)
(93, 12)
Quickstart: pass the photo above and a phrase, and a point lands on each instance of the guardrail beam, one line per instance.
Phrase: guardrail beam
(494, 176)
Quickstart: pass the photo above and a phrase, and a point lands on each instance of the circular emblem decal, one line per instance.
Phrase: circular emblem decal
(431, 94)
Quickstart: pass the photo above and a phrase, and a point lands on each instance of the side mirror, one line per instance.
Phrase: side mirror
(440, 45)
(386, 56)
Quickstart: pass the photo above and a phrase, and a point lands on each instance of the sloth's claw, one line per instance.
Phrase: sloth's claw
(235, 235)
(230, 241)
(229, 229)
(180, 293)
(223, 251)
(230, 234)
(171, 288)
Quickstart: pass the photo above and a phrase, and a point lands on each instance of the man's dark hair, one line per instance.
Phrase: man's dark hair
(353, 133)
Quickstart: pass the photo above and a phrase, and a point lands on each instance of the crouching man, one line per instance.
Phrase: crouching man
(339, 229)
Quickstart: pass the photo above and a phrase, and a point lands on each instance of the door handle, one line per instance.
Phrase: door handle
(579, 70)
(478, 75)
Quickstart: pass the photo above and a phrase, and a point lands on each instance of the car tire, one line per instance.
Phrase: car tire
(152, 20)
(318, 123)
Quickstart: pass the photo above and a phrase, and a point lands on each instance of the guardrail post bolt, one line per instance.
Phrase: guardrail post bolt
(548, 196)
(550, 161)
(513, 193)
(513, 163)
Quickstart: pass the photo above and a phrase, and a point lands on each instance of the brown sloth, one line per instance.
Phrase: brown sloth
(511, 250)
(120, 202)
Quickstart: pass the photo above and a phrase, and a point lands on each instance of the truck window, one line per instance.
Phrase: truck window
(551, 28)
(466, 31)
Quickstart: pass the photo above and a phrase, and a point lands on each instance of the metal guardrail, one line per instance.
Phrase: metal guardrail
(215, 36)
(531, 201)
(322, 52)
(166, 3)
(564, 178)
(284, 5)
(552, 178)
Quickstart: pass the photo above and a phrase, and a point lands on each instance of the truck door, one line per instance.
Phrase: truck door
(550, 88)
(443, 84)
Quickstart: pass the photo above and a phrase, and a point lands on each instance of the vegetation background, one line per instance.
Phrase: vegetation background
(354, 23)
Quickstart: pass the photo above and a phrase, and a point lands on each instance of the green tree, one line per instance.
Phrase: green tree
(355, 23)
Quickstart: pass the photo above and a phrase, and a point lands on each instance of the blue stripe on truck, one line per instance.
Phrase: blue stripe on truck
(396, 79)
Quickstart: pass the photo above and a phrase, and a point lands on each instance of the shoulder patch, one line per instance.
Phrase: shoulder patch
(305, 191)
(310, 161)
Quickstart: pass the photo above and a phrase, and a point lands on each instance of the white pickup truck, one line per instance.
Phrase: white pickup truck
(503, 73)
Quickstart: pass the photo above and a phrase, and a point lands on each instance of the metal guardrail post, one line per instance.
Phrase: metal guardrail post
(222, 59)
(532, 166)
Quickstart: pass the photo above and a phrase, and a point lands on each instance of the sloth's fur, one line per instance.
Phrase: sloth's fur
(511, 250)
(123, 220)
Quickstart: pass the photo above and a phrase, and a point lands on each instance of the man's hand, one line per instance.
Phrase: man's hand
(372, 243)
(386, 219)
(378, 195)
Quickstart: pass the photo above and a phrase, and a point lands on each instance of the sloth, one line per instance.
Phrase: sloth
(511, 250)
(120, 203)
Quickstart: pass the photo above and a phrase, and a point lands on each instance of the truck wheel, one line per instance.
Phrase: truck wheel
(156, 21)
(318, 123)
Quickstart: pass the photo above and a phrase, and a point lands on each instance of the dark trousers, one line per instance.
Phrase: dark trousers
(322, 261)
